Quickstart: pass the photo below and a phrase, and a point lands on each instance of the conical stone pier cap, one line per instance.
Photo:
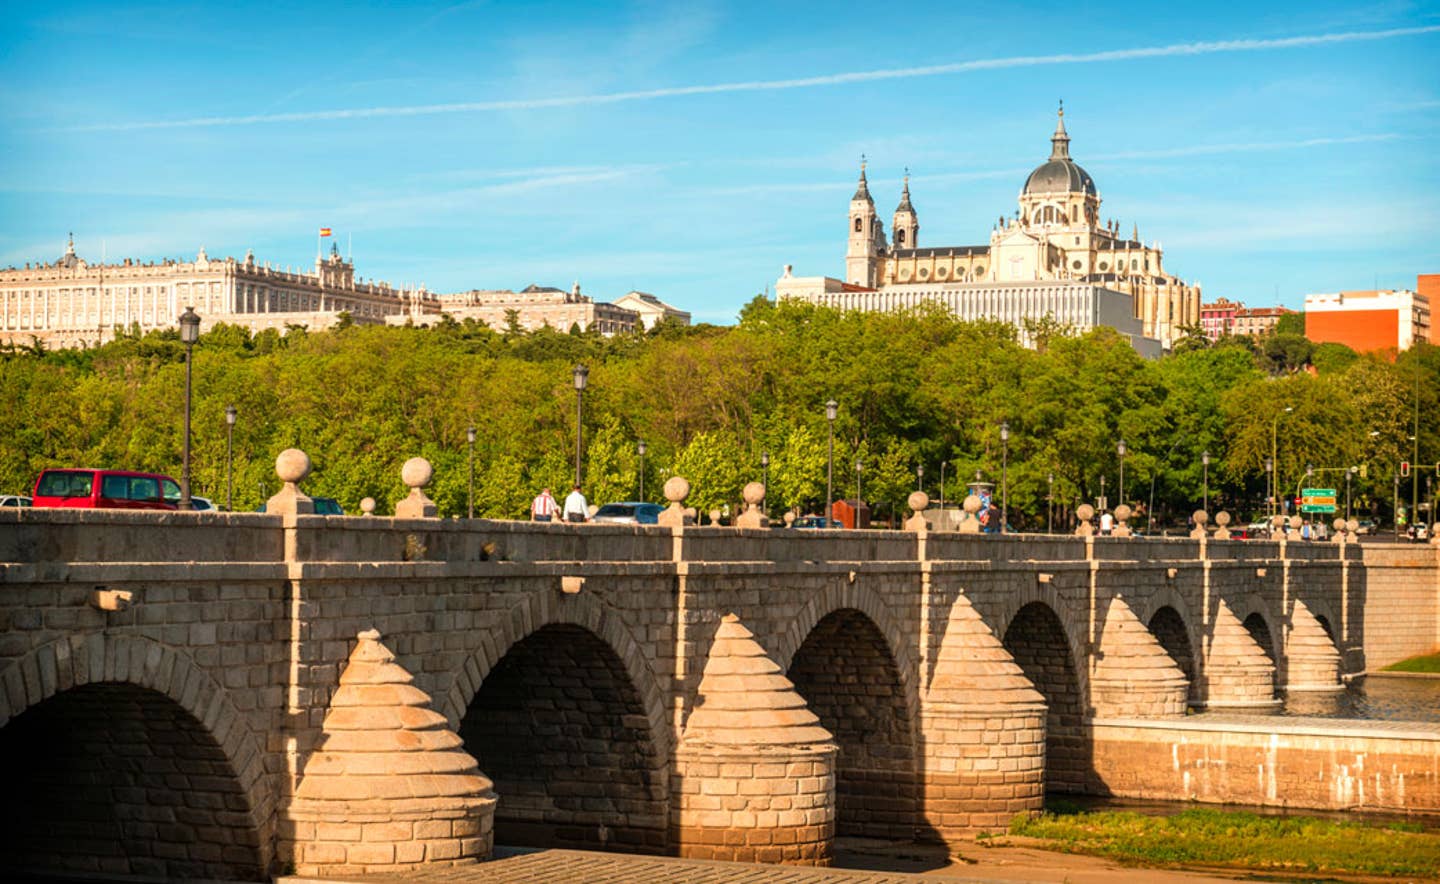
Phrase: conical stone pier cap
(382, 741)
(974, 671)
(745, 700)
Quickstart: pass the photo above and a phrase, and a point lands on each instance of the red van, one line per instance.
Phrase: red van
(106, 489)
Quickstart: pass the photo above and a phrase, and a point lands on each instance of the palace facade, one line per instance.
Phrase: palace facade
(72, 303)
(1056, 239)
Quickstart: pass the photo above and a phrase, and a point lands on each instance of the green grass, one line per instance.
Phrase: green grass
(1423, 663)
(1244, 840)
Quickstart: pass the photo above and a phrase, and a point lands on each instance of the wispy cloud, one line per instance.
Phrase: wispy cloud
(837, 79)
(1245, 147)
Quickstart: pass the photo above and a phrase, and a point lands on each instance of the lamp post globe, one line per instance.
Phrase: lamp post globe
(1269, 478)
(231, 415)
(859, 467)
(189, 334)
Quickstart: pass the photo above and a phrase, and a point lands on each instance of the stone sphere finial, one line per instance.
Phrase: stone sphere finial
(1339, 524)
(1123, 512)
(417, 472)
(1200, 517)
(367, 506)
(292, 465)
(971, 504)
(1296, 522)
(754, 493)
(714, 517)
(1084, 512)
(677, 488)
(1353, 526)
(1222, 518)
(918, 500)
(789, 518)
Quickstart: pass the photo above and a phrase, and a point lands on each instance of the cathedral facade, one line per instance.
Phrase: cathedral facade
(1057, 236)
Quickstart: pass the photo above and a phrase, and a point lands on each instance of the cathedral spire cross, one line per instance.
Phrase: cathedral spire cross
(1060, 141)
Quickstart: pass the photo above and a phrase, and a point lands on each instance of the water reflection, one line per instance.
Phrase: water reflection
(1372, 698)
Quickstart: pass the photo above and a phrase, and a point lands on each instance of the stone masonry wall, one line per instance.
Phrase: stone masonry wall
(1327, 765)
(1401, 598)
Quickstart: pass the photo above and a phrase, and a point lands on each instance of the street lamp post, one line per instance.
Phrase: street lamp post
(1309, 471)
(1272, 479)
(1121, 450)
(230, 416)
(640, 449)
(920, 477)
(1050, 503)
(1101, 503)
(1269, 483)
(189, 334)
(582, 374)
(765, 478)
(831, 408)
(1205, 462)
(1348, 474)
(942, 484)
(859, 466)
(1395, 505)
(1004, 475)
(470, 494)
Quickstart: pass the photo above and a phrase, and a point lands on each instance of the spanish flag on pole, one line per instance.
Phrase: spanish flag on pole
(324, 231)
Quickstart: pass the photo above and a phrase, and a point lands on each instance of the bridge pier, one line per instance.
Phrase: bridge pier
(755, 771)
(982, 735)
(388, 788)
(1237, 673)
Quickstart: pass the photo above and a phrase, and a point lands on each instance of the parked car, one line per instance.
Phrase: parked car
(200, 504)
(105, 489)
(816, 522)
(1367, 526)
(14, 500)
(324, 506)
(628, 513)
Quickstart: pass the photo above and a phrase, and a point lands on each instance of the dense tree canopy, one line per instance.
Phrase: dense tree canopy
(917, 388)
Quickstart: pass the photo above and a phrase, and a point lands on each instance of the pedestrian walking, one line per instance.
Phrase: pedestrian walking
(544, 507)
(577, 508)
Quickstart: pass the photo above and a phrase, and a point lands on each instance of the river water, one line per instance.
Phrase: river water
(1372, 698)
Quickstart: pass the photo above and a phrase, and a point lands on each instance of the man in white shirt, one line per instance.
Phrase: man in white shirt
(577, 508)
(1107, 523)
(544, 507)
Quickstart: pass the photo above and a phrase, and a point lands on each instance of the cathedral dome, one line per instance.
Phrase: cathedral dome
(1060, 174)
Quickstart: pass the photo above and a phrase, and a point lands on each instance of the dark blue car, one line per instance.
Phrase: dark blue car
(629, 512)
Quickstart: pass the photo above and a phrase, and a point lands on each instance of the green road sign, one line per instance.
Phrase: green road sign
(1317, 500)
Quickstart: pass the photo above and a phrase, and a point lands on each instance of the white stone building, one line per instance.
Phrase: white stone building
(71, 302)
(1056, 240)
(652, 310)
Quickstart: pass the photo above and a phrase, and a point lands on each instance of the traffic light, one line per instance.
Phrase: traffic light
(1404, 468)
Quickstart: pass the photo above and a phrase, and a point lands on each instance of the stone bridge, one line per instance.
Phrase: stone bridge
(234, 695)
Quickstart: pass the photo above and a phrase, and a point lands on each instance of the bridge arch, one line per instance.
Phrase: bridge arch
(563, 716)
(847, 670)
(1262, 624)
(123, 753)
(1169, 618)
(1036, 636)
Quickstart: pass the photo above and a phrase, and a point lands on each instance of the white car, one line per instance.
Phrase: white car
(14, 500)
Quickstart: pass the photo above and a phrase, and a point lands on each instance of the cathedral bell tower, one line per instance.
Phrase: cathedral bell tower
(907, 226)
(867, 237)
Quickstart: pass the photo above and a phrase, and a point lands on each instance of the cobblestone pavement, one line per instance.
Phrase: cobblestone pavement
(554, 866)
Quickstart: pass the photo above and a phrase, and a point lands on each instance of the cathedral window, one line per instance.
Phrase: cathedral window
(924, 273)
(1104, 265)
(900, 237)
(979, 269)
(1074, 213)
(858, 225)
(941, 273)
(1076, 264)
(1134, 264)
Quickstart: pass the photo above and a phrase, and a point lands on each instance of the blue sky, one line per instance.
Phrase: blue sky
(691, 150)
